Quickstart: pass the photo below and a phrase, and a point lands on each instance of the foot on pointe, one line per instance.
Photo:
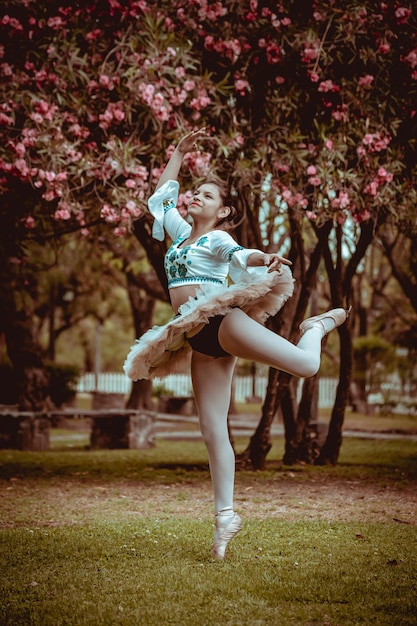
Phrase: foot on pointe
(224, 533)
(338, 316)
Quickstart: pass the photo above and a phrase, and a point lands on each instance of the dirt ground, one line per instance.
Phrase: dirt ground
(282, 497)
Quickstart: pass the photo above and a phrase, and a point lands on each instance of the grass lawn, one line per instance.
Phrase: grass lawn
(104, 538)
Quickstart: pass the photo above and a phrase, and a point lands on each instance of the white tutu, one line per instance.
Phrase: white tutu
(164, 349)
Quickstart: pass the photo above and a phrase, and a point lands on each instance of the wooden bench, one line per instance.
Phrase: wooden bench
(110, 428)
(24, 430)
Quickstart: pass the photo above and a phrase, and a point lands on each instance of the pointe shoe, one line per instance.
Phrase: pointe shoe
(339, 316)
(224, 535)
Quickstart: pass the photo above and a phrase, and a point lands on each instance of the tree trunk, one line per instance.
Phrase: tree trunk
(260, 443)
(292, 315)
(302, 447)
(23, 349)
(27, 360)
(142, 307)
(141, 396)
(329, 453)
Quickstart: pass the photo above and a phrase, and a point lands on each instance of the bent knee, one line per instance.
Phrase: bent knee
(309, 368)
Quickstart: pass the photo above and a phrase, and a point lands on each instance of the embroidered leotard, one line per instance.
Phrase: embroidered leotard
(206, 260)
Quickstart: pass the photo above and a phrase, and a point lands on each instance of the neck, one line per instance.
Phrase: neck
(198, 230)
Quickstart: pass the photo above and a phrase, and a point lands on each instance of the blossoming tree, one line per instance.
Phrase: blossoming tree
(311, 108)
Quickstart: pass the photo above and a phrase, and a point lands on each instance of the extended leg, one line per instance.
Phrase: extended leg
(212, 384)
(243, 337)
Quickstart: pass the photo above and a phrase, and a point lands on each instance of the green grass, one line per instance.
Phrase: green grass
(103, 538)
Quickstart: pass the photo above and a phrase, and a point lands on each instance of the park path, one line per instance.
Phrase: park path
(181, 427)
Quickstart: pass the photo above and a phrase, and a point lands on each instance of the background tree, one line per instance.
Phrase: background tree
(311, 107)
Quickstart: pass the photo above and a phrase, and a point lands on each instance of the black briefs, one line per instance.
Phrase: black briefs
(206, 340)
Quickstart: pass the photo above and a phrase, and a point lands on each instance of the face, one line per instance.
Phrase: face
(206, 204)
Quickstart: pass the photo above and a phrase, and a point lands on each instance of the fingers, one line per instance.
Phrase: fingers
(274, 262)
(188, 142)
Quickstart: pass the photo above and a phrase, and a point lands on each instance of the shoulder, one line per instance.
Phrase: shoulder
(221, 236)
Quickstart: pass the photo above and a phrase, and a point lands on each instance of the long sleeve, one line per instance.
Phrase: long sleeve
(162, 206)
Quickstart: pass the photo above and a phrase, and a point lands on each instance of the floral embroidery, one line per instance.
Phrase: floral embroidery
(168, 204)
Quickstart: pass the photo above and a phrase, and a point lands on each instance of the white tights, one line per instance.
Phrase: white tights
(242, 337)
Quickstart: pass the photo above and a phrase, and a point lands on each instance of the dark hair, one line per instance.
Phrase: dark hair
(233, 219)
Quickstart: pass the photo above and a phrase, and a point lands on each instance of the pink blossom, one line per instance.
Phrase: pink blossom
(132, 209)
(384, 176)
(50, 176)
(340, 114)
(109, 214)
(22, 167)
(130, 183)
(79, 131)
(36, 117)
(314, 77)
(328, 85)
(20, 149)
(92, 86)
(362, 217)
(51, 194)
(112, 113)
(183, 202)
(281, 167)
(329, 144)
(311, 170)
(178, 96)
(6, 69)
(241, 86)
(120, 231)
(311, 215)
(189, 85)
(93, 35)
(341, 202)
(56, 23)
(62, 214)
(411, 58)
(344, 199)
(180, 72)
(6, 120)
(402, 14)
(384, 47)
(12, 22)
(73, 155)
(366, 81)
(106, 81)
(273, 53)
(315, 181)
(29, 222)
(309, 54)
(371, 188)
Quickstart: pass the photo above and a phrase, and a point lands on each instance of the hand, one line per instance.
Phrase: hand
(188, 143)
(274, 262)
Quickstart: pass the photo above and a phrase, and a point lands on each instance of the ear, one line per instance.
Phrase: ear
(224, 212)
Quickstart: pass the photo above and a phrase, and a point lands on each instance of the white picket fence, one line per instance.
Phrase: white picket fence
(180, 385)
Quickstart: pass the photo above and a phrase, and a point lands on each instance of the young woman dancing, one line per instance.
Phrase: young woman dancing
(216, 322)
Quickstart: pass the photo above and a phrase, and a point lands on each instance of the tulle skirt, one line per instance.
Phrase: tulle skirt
(164, 349)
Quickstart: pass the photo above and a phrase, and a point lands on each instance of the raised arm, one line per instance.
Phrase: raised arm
(186, 144)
